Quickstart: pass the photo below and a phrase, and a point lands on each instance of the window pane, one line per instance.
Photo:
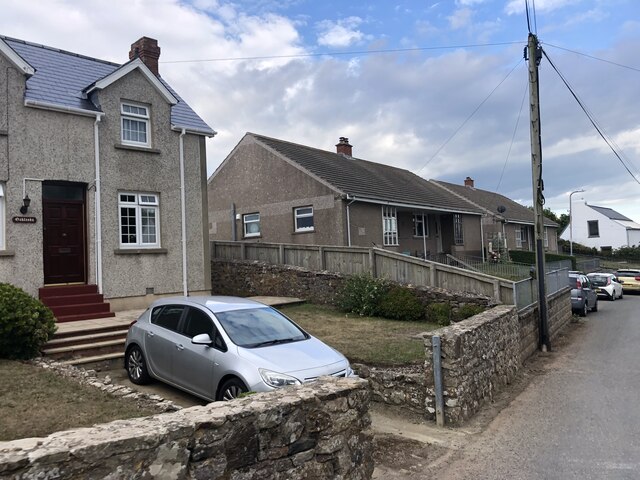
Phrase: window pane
(304, 211)
(169, 317)
(252, 217)
(128, 225)
(198, 322)
(148, 224)
(253, 227)
(304, 223)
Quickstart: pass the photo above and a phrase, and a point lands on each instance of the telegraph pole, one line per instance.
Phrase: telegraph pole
(534, 54)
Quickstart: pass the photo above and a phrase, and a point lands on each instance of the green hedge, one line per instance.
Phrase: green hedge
(527, 257)
(25, 323)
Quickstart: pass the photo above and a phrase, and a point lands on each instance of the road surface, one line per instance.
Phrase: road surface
(580, 419)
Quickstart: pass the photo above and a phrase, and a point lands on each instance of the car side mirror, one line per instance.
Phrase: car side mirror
(202, 339)
(620, 281)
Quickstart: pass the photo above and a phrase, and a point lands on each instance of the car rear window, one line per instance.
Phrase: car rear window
(573, 282)
(628, 273)
(599, 280)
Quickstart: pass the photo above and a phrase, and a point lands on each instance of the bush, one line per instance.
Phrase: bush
(25, 323)
(468, 310)
(439, 313)
(401, 304)
(361, 294)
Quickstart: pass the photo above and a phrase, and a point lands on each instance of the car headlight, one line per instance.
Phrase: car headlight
(350, 371)
(277, 380)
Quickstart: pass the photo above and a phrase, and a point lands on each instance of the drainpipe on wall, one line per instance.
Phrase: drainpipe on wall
(98, 224)
(353, 199)
(482, 238)
(183, 215)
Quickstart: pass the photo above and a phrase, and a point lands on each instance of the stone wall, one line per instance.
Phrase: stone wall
(558, 314)
(403, 387)
(247, 278)
(479, 355)
(314, 431)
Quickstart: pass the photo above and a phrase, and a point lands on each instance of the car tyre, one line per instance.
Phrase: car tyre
(613, 296)
(137, 366)
(232, 389)
(621, 293)
(595, 306)
(583, 311)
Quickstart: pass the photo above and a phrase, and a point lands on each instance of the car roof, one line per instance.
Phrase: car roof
(633, 271)
(602, 274)
(214, 303)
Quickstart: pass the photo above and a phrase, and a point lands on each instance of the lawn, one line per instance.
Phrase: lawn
(369, 340)
(35, 403)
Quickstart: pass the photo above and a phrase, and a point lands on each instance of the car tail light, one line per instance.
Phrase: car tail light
(638, 278)
(578, 284)
(608, 280)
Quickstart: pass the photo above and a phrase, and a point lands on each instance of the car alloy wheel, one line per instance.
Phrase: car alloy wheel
(137, 367)
(232, 389)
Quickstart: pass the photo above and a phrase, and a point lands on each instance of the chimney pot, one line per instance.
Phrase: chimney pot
(468, 182)
(343, 147)
(148, 51)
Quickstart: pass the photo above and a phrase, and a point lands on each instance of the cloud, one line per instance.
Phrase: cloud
(342, 33)
(461, 18)
(516, 7)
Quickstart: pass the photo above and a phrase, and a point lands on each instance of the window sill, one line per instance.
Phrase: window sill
(302, 232)
(139, 251)
(121, 146)
(421, 237)
(7, 253)
(252, 237)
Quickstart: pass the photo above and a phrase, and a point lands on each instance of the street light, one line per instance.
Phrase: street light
(571, 223)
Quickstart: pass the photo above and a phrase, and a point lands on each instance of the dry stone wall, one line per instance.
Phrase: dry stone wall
(479, 355)
(247, 278)
(403, 387)
(314, 431)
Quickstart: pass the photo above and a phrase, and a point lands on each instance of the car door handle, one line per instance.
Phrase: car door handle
(151, 334)
(179, 346)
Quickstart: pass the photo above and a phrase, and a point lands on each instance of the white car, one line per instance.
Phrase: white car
(606, 284)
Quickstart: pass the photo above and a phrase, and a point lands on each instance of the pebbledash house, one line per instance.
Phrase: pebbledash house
(103, 186)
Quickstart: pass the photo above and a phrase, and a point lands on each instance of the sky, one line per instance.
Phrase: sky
(437, 88)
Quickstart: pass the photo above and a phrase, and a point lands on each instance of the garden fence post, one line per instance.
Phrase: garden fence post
(437, 380)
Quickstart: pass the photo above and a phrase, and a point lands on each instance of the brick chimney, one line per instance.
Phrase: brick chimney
(149, 52)
(343, 146)
(468, 182)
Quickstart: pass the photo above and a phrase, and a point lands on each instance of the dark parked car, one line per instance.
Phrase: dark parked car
(583, 296)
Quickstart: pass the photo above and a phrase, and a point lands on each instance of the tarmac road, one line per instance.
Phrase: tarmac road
(578, 420)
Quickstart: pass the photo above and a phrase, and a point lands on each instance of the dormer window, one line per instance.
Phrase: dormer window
(135, 125)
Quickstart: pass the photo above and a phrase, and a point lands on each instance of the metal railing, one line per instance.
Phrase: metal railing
(526, 291)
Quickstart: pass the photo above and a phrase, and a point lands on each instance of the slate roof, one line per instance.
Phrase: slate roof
(61, 77)
(490, 201)
(368, 180)
(611, 213)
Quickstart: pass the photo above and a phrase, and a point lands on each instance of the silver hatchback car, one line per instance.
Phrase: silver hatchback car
(218, 347)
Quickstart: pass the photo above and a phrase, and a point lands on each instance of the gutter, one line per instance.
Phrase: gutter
(415, 206)
(183, 216)
(195, 131)
(61, 108)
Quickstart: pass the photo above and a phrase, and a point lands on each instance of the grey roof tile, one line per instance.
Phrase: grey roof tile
(490, 201)
(62, 76)
(611, 213)
(365, 179)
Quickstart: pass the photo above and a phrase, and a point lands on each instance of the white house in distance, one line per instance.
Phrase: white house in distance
(601, 227)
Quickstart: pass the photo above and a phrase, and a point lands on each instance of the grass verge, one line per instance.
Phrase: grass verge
(369, 340)
(35, 403)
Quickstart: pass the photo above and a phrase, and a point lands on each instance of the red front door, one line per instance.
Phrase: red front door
(64, 233)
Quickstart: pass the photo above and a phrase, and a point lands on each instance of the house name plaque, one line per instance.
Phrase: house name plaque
(24, 219)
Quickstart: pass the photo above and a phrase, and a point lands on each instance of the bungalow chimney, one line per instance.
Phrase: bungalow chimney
(149, 52)
(343, 146)
(468, 182)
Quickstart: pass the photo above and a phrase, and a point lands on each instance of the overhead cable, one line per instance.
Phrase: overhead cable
(515, 129)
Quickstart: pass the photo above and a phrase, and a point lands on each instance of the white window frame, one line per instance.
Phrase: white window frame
(458, 229)
(2, 216)
(297, 215)
(389, 226)
(422, 219)
(142, 200)
(245, 222)
(135, 117)
(546, 237)
(518, 234)
(597, 225)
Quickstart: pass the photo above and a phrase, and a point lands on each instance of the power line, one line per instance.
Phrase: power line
(468, 118)
(590, 116)
(335, 54)
(513, 137)
(595, 58)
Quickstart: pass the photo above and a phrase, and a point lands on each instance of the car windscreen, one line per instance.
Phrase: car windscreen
(259, 327)
(599, 280)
